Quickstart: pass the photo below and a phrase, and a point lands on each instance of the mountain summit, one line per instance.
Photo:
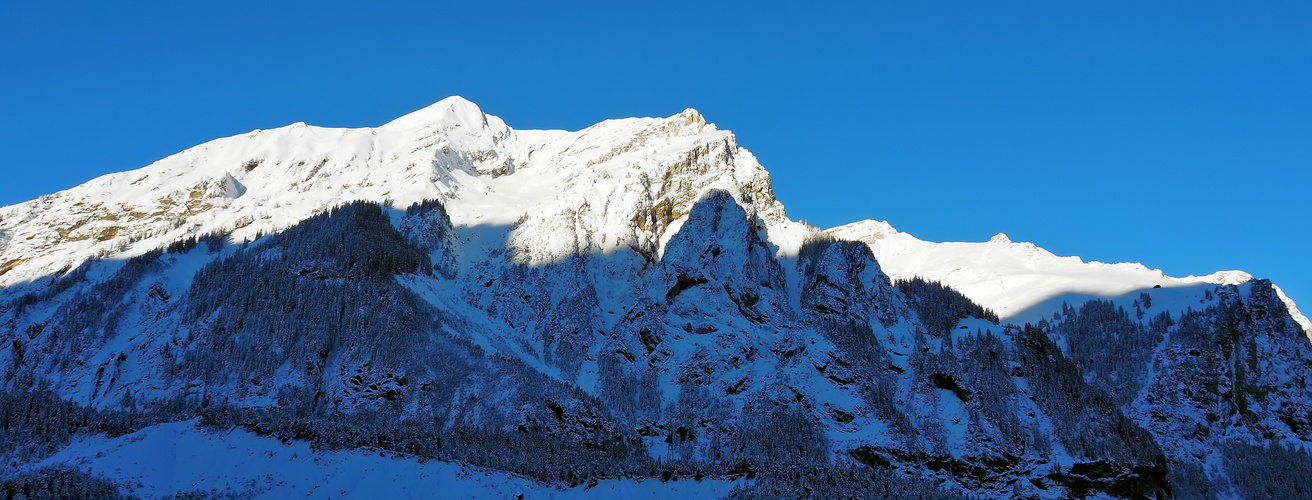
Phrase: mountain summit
(449, 113)
(617, 172)
(602, 312)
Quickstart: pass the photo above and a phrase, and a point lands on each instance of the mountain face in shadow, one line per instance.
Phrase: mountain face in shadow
(682, 330)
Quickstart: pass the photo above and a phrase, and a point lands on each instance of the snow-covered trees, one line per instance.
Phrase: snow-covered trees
(845, 481)
(58, 483)
(1111, 349)
(729, 363)
(939, 306)
(1272, 470)
(1085, 419)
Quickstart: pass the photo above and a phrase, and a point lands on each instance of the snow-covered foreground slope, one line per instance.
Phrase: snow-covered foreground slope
(164, 460)
(1025, 283)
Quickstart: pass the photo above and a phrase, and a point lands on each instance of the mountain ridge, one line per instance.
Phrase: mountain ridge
(460, 124)
(196, 186)
(1030, 273)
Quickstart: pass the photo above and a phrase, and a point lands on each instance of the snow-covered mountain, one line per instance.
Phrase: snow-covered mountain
(605, 307)
(613, 183)
(1022, 282)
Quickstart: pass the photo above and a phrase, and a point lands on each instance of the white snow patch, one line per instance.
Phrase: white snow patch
(166, 459)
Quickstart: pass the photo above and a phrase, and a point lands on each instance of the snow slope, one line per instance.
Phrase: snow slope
(1022, 282)
(164, 460)
(564, 192)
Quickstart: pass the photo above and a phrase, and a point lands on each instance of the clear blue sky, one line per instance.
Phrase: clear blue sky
(1177, 134)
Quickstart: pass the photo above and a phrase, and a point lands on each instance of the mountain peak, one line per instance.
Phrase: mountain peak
(1000, 238)
(864, 229)
(450, 113)
(691, 115)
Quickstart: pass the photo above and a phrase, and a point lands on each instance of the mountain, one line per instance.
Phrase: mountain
(1025, 283)
(626, 307)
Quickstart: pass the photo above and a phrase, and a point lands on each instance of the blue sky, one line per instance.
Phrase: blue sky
(1177, 134)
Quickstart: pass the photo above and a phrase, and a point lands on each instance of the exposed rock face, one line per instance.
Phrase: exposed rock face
(628, 299)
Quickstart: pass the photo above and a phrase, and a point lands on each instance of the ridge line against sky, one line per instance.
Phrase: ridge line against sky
(1174, 134)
